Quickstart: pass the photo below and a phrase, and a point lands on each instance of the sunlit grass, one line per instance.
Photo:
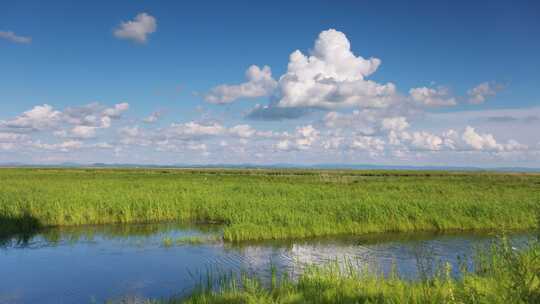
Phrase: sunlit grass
(272, 204)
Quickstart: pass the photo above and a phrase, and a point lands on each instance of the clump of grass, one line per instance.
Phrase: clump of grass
(274, 204)
(190, 240)
(167, 242)
(503, 275)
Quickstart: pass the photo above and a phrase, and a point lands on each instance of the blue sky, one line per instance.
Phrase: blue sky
(457, 82)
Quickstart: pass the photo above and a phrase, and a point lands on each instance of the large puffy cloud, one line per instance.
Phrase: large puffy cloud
(259, 83)
(11, 36)
(138, 29)
(432, 97)
(332, 77)
(481, 92)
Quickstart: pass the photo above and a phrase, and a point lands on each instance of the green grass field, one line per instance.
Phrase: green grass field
(271, 204)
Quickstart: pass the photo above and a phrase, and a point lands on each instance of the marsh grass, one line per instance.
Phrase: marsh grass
(501, 274)
(273, 204)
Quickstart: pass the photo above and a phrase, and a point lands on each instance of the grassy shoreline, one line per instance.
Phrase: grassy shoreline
(272, 204)
(500, 274)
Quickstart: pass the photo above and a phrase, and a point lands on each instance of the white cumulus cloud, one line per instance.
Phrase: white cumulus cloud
(332, 77)
(117, 110)
(432, 97)
(395, 123)
(487, 142)
(243, 131)
(138, 29)
(259, 83)
(38, 118)
(481, 92)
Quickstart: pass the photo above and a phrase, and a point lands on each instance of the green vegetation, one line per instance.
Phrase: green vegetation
(271, 204)
(501, 275)
(167, 242)
(197, 240)
(190, 240)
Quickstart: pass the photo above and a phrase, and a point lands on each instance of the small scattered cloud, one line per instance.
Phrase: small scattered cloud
(11, 36)
(483, 91)
(117, 110)
(432, 97)
(194, 130)
(152, 118)
(138, 29)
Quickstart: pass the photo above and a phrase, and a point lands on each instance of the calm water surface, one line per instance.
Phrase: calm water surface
(92, 264)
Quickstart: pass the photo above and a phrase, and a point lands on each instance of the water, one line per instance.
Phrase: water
(93, 264)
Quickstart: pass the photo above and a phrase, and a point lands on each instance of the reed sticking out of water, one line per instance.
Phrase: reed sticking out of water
(274, 204)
